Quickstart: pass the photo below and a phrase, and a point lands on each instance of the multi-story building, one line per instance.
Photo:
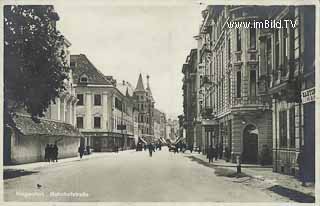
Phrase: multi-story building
(26, 141)
(163, 122)
(189, 70)
(156, 124)
(172, 129)
(256, 91)
(234, 112)
(287, 67)
(105, 115)
(145, 106)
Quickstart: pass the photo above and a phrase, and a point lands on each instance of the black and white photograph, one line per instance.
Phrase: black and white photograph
(179, 102)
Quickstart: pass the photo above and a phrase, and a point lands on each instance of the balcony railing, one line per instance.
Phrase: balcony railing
(207, 112)
(206, 48)
(247, 100)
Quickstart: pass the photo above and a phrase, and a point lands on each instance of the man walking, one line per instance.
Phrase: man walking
(151, 149)
(81, 151)
(55, 152)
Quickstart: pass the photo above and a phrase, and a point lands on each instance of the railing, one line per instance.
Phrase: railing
(207, 112)
(206, 48)
(247, 100)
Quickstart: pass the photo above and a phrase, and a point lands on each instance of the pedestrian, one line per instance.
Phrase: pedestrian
(145, 147)
(199, 149)
(191, 148)
(46, 153)
(151, 149)
(88, 149)
(210, 153)
(216, 152)
(55, 152)
(81, 151)
(50, 153)
(300, 161)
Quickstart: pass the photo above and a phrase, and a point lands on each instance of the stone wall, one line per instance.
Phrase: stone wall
(28, 149)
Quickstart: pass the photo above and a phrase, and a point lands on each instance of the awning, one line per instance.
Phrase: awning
(144, 141)
(179, 140)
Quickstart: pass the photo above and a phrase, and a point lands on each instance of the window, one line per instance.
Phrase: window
(285, 47)
(252, 38)
(292, 130)
(80, 99)
(97, 99)
(238, 84)
(253, 83)
(97, 122)
(84, 79)
(118, 104)
(72, 64)
(238, 40)
(283, 128)
(269, 60)
(80, 122)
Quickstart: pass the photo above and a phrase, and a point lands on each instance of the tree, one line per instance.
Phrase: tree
(35, 65)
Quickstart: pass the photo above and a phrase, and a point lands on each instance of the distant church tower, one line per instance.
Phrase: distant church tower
(145, 105)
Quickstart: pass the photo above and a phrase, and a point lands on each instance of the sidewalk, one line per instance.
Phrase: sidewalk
(38, 165)
(265, 177)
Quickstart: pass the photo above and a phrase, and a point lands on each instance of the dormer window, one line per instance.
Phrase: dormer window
(84, 79)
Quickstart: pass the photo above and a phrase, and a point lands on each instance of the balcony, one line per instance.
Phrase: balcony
(253, 102)
(206, 49)
(207, 112)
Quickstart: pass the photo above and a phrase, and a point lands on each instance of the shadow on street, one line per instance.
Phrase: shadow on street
(217, 170)
(13, 173)
(292, 194)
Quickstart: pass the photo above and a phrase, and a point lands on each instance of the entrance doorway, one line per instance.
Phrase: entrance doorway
(250, 145)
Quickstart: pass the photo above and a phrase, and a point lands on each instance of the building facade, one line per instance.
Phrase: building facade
(256, 88)
(189, 70)
(145, 107)
(288, 69)
(25, 142)
(234, 113)
(105, 115)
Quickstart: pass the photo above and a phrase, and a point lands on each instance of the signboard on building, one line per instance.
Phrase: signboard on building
(308, 95)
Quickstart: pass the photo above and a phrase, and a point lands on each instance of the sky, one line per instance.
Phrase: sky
(126, 38)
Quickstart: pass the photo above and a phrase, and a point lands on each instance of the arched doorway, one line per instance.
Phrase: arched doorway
(250, 144)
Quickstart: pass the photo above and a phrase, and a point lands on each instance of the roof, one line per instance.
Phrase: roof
(27, 126)
(125, 88)
(83, 66)
(140, 87)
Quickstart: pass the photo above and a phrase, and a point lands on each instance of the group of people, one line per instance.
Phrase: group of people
(51, 153)
(182, 147)
(215, 152)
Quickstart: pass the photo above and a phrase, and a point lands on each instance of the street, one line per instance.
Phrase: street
(131, 176)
